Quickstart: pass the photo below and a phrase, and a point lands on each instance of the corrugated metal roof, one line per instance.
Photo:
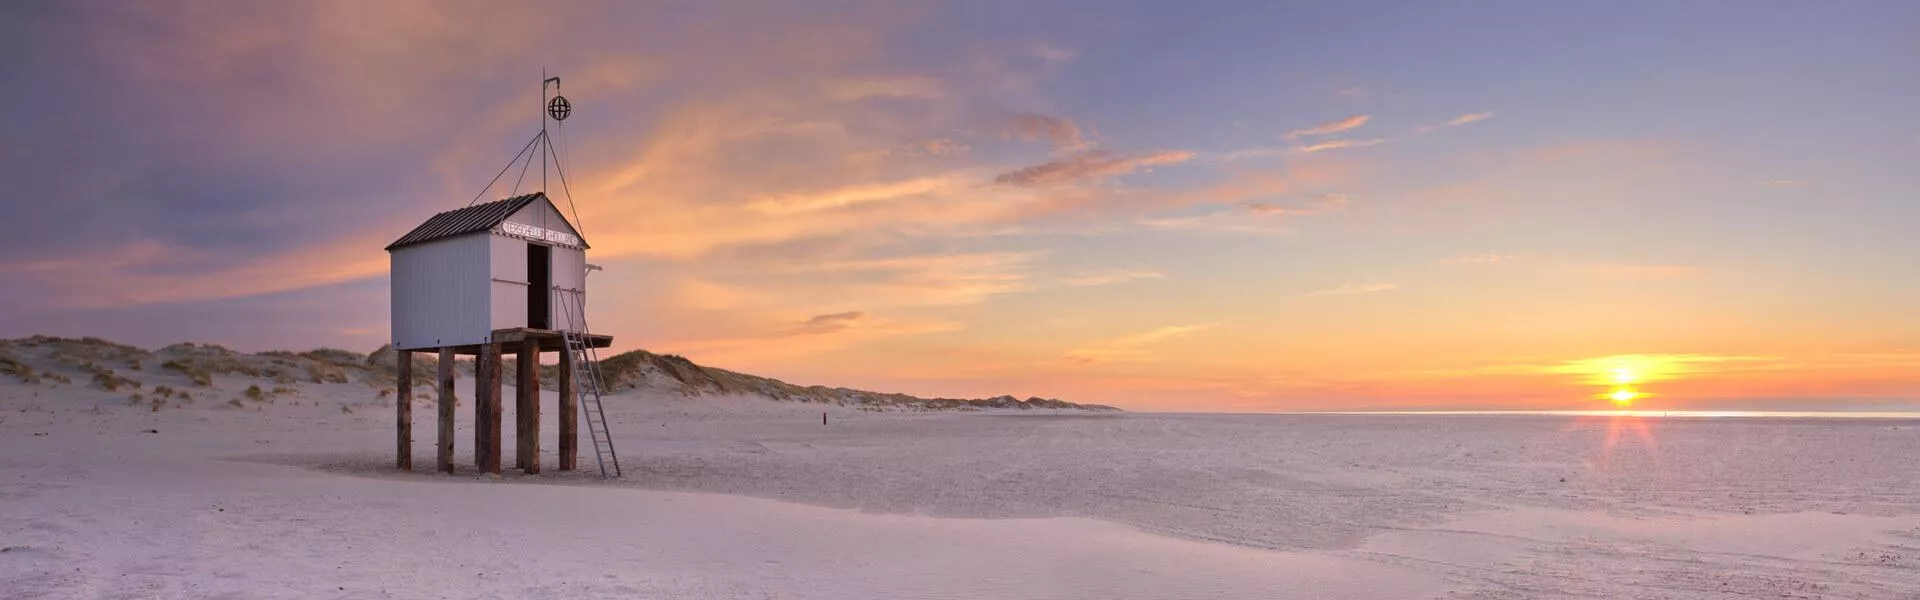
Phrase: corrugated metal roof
(472, 219)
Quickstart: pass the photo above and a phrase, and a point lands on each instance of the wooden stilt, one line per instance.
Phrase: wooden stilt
(494, 383)
(403, 412)
(446, 410)
(569, 414)
(527, 409)
(483, 371)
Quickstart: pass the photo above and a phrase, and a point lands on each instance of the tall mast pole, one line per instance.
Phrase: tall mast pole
(543, 129)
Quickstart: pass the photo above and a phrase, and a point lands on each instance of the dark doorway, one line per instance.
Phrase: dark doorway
(539, 286)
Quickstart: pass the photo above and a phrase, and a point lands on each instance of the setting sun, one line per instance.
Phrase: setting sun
(1623, 396)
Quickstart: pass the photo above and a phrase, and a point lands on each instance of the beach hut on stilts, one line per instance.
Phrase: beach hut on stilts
(500, 277)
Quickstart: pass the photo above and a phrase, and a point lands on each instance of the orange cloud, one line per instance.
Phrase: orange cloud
(1630, 271)
(1319, 204)
(859, 194)
(1478, 259)
(1136, 347)
(1111, 277)
(1031, 127)
(1355, 289)
(137, 273)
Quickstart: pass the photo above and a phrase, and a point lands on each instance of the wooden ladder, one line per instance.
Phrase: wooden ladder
(587, 384)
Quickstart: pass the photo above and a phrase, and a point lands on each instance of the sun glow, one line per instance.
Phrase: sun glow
(1623, 375)
(1622, 396)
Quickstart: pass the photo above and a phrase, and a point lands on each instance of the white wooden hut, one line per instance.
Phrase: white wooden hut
(505, 276)
(465, 274)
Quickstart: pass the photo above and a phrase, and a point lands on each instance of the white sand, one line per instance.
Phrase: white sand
(739, 498)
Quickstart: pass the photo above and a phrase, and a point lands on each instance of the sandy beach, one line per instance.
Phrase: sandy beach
(739, 497)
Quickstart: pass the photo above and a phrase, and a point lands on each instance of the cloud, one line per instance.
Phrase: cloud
(1478, 259)
(1354, 289)
(911, 280)
(1330, 127)
(1781, 183)
(862, 88)
(1631, 271)
(1216, 222)
(856, 195)
(1323, 203)
(1052, 54)
(812, 336)
(1337, 145)
(151, 272)
(1630, 369)
(1458, 121)
(1088, 166)
(1111, 277)
(1036, 127)
(940, 147)
(825, 324)
(1260, 152)
(1134, 347)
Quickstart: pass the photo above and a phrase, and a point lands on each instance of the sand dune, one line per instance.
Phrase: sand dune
(735, 496)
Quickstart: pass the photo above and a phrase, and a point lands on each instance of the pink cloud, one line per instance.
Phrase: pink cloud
(1091, 165)
(1331, 127)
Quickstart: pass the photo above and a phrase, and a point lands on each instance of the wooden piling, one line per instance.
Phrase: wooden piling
(527, 409)
(445, 453)
(569, 414)
(494, 384)
(403, 412)
(484, 372)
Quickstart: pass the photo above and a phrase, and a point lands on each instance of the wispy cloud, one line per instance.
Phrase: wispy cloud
(1088, 166)
(930, 279)
(860, 88)
(1318, 204)
(1477, 259)
(1782, 183)
(1134, 347)
(1331, 127)
(825, 324)
(1619, 369)
(1225, 221)
(1458, 121)
(855, 195)
(1628, 369)
(1633, 271)
(1037, 127)
(1111, 277)
(1355, 289)
(1338, 144)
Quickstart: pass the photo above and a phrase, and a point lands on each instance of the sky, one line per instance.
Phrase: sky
(1215, 206)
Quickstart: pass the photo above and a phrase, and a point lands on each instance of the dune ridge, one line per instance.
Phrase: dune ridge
(182, 367)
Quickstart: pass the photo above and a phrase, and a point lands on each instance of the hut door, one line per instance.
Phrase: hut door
(539, 287)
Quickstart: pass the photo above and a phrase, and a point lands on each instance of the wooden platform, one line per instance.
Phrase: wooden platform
(525, 345)
(548, 340)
